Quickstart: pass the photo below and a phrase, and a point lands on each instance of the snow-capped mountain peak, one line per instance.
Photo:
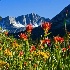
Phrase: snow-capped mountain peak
(17, 24)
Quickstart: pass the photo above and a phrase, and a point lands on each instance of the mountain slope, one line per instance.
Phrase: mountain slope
(18, 24)
(58, 22)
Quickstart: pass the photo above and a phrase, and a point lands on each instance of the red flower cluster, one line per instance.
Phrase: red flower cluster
(46, 41)
(58, 39)
(46, 26)
(23, 36)
(21, 53)
(32, 48)
(29, 28)
(63, 49)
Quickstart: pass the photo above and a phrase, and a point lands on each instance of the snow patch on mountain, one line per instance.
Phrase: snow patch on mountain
(18, 25)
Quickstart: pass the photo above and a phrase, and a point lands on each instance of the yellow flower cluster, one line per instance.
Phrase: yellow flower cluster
(15, 45)
(45, 55)
(7, 52)
(2, 63)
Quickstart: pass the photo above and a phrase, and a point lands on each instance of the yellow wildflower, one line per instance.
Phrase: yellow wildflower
(2, 63)
(15, 45)
(35, 54)
(45, 55)
(7, 52)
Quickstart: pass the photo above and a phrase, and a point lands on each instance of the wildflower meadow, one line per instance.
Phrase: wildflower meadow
(26, 54)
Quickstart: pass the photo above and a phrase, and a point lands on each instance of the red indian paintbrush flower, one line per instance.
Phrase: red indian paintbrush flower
(32, 48)
(46, 41)
(29, 28)
(63, 49)
(58, 39)
(46, 26)
(21, 53)
(23, 36)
